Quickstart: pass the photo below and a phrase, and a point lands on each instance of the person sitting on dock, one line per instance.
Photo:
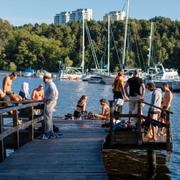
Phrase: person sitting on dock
(5, 99)
(154, 112)
(7, 82)
(24, 92)
(50, 100)
(14, 96)
(105, 113)
(81, 107)
(38, 93)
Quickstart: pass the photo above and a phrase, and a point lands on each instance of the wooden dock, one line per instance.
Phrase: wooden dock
(76, 155)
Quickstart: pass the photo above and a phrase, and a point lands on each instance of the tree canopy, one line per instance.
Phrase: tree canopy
(42, 46)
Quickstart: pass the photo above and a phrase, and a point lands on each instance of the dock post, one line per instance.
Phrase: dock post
(111, 103)
(139, 123)
(168, 132)
(2, 154)
(16, 134)
(31, 128)
(152, 163)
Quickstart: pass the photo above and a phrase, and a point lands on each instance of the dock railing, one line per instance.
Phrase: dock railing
(21, 116)
(141, 117)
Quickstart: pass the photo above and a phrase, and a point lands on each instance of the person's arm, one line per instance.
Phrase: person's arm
(5, 84)
(123, 91)
(169, 100)
(125, 88)
(33, 95)
(84, 107)
(143, 90)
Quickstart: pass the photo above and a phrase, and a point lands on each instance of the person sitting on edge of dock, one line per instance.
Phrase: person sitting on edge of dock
(80, 107)
(14, 96)
(154, 113)
(38, 93)
(7, 82)
(24, 92)
(105, 113)
(6, 99)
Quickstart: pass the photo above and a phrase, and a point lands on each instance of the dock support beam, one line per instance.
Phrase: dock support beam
(152, 164)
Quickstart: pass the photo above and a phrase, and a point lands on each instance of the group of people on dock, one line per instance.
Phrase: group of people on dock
(49, 95)
(132, 91)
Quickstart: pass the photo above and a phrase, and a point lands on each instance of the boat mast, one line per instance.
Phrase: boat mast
(108, 67)
(83, 43)
(150, 44)
(125, 35)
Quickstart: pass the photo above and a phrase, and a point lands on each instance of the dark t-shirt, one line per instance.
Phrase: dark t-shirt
(134, 86)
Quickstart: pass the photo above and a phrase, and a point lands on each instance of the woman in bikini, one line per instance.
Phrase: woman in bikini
(80, 107)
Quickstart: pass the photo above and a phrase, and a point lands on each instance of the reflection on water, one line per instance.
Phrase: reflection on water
(133, 165)
(116, 161)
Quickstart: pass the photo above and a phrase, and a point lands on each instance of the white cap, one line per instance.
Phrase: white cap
(47, 75)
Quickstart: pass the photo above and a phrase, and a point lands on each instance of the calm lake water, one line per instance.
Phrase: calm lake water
(71, 91)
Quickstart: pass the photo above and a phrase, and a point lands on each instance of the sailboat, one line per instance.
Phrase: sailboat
(158, 74)
(109, 79)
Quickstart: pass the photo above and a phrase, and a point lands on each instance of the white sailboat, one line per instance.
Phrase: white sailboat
(158, 74)
(108, 78)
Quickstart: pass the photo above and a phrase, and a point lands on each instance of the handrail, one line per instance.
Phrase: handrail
(14, 130)
(156, 107)
(140, 118)
(7, 109)
(142, 101)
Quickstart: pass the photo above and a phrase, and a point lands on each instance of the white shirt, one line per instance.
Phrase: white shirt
(51, 92)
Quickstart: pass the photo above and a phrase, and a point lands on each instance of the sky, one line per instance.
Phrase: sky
(20, 12)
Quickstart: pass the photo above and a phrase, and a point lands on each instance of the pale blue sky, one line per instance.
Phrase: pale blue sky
(19, 12)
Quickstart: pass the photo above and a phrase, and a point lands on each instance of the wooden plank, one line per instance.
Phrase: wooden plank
(77, 155)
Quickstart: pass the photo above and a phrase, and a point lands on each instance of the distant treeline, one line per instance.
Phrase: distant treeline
(44, 46)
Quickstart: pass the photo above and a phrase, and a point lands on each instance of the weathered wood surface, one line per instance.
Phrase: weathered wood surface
(76, 155)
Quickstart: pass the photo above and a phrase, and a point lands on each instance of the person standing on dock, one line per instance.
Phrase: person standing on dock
(166, 105)
(7, 82)
(154, 112)
(136, 91)
(50, 100)
(118, 86)
(119, 92)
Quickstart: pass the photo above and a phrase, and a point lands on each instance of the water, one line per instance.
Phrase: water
(71, 91)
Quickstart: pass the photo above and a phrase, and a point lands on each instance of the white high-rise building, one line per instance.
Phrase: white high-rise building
(65, 17)
(115, 16)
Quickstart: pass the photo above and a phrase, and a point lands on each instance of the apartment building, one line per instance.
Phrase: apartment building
(71, 16)
(115, 15)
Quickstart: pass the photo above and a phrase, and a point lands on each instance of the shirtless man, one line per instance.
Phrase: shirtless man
(167, 98)
(38, 93)
(105, 113)
(7, 82)
(166, 105)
